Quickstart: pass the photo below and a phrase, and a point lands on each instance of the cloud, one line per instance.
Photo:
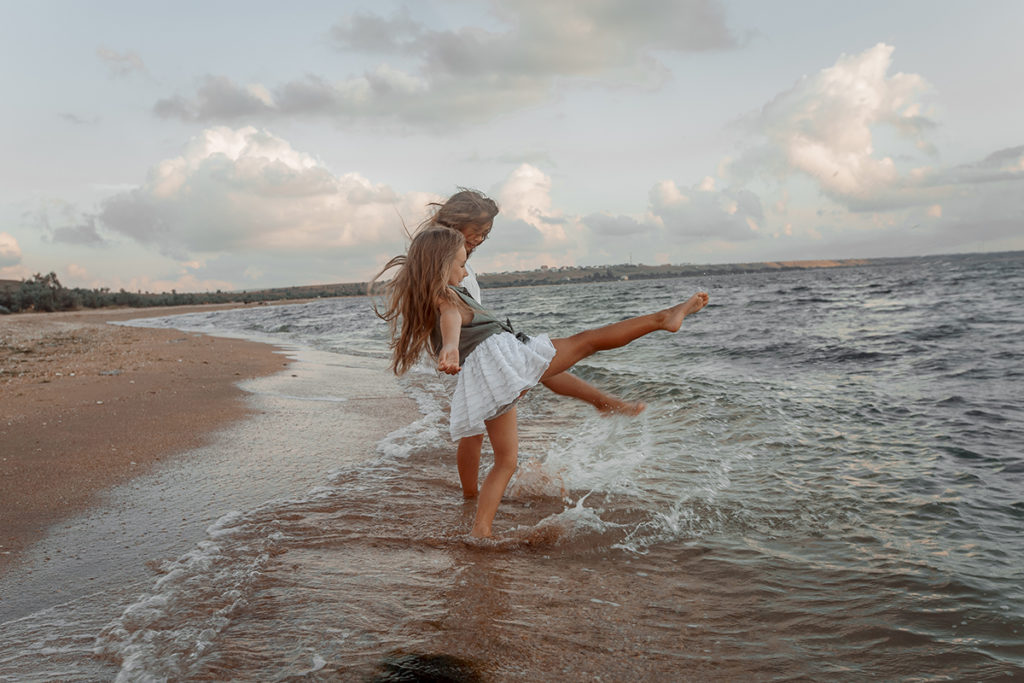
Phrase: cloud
(244, 208)
(250, 192)
(73, 226)
(845, 129)
(533, 232)
(823, 128)
(373, 34)
(472, 73)
(529, 231)
(10, 252)
(1003, 164)
(526, 195)
(515, 236)
(529, 221)
(120, 64)
(545, 39)
(218, 98)
(604, 224)
(82, 234)
(695, 213)
(1011, 159)
(827, 129)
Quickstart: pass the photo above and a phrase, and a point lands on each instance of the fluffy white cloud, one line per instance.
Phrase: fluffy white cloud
(10, 252)
(857, 134)
(529, 231)
(474, 72)
(824, 128)
(526, 196)
(248, 191)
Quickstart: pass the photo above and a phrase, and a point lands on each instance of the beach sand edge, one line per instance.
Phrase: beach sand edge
(86, 405)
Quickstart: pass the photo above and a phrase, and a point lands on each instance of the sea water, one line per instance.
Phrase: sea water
(827, 483)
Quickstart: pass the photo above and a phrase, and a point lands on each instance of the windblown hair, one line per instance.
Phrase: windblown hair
(414, 292)
(463, 209)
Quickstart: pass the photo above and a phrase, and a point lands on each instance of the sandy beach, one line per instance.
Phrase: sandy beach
(85, 405)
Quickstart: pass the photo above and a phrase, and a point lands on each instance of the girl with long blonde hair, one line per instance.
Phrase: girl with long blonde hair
(427, 310)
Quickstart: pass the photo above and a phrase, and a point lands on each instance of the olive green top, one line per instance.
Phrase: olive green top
(482, 326)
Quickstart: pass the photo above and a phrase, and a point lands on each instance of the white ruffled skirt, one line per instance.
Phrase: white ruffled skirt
(492, 378)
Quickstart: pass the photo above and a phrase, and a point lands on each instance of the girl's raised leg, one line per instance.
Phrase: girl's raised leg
(566, 384)
(571, 350)
(504, 435)
(468, 459)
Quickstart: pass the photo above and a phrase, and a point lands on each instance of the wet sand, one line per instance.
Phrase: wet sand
(85, 405)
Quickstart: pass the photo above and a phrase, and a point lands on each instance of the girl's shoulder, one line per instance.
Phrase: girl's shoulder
(452, 295)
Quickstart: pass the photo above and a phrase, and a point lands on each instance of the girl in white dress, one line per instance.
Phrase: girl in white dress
(496, 366)
(472, 213)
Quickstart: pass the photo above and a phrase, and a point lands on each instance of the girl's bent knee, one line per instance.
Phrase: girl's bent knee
(506, 463)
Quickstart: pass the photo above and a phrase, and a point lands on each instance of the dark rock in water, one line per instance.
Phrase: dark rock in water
(4, 310)
(427, 669)
(110, 372)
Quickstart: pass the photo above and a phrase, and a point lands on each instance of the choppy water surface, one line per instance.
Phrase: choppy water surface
(828, 483)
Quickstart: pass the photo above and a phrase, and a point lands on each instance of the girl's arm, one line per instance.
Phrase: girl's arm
(451, 328)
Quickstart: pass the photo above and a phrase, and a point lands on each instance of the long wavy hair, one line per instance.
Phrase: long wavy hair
(414, 293)
(463, 209)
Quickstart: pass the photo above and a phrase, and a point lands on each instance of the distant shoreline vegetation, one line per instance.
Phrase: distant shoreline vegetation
(44, 293)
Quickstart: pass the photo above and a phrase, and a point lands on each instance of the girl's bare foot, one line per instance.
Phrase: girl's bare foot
(619, 407)
(674, 316)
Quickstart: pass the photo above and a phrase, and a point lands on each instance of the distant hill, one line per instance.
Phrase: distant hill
(307, 291)
(629, 271)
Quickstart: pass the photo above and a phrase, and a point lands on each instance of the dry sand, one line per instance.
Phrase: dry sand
(85, 405)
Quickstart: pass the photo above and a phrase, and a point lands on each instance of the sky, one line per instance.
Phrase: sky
(231, 145)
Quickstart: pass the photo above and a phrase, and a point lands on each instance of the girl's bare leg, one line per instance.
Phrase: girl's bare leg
(468, 458)
(566, 384)
(504, 435)
(571, 350)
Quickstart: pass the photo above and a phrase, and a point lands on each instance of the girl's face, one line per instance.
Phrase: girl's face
(475, 235)
(458, 270)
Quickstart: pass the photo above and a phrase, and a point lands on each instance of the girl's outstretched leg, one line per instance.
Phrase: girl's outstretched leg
(468, 458)
(566, 384)
(504, 435)
(571, 350)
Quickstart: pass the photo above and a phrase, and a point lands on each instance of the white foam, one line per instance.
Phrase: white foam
(572, 522)
(165, 631)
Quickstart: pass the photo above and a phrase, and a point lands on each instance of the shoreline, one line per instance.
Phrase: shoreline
(86, 405)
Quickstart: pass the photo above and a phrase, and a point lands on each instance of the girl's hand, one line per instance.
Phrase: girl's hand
(448, 361)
